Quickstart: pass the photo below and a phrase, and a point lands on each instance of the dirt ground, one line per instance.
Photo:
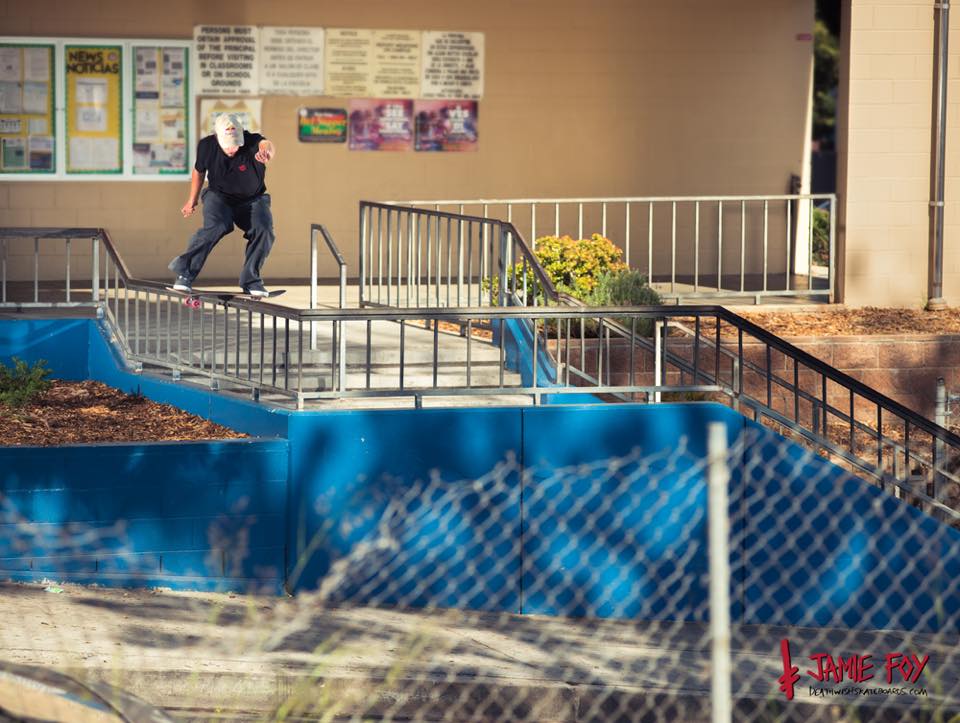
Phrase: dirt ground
(85, 412)
(855, 322)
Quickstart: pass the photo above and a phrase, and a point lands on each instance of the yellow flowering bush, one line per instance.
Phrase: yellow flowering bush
(573, 265)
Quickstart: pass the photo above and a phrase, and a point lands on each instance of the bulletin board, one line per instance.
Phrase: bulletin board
(160, 109)
(27, 90)
(94, 133)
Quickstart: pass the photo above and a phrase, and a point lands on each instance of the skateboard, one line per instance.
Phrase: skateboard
(194, 298)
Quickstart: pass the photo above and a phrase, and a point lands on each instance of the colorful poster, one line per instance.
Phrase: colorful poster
(395, 66)
(160, 110)
(452, 65)
(322, 125)
(347, 63)
(381, 125)
(446, 125)
(291, 61)
(227, 59)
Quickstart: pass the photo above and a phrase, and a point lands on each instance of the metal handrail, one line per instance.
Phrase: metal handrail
(316, 228)
(687, 277)
(501, 247)
(611, 199)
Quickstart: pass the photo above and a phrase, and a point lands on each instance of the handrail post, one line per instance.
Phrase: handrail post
(361, 280)
(95, 271)
(313, 285)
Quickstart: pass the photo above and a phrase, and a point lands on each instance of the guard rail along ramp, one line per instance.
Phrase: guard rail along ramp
(691, 248)
(551, 349)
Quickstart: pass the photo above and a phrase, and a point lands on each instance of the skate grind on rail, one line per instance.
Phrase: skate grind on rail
(233, 162)
(195, 297)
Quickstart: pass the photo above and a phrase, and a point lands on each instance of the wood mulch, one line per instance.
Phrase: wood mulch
(855, 322)
(88, 411)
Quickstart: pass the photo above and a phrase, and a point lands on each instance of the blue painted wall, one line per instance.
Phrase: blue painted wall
(391, 506)
(627, 540)
(63, 344)
(197, 515)
(512, 509)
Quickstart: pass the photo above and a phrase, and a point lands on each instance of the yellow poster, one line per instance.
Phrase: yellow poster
(26, 109)
(94, 132)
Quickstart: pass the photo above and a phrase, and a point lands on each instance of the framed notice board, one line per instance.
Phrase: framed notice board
(27, 91)
(94, 134)
(160, 109)
(95, 109)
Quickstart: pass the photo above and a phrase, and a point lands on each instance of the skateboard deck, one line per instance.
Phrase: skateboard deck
(194, 298)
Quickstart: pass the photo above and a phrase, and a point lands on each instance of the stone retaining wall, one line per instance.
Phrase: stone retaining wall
(904, 368)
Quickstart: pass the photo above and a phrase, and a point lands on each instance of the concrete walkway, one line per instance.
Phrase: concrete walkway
(205, 656)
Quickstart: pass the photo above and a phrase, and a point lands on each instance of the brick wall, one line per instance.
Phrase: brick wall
(904, 368)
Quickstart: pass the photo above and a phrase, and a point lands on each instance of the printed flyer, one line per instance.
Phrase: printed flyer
(446, 125)
(381, 125)
(322, 125)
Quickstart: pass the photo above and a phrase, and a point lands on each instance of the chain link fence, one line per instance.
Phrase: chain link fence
(746, 580)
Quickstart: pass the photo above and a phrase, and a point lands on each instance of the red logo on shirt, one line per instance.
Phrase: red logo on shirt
(243, 167)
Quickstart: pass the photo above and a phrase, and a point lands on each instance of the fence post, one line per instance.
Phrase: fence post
(658, 326)
(718, 477)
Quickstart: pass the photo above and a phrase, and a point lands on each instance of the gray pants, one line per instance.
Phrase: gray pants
(219, 217)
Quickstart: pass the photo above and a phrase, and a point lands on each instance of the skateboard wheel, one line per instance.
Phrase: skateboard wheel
(195, 303)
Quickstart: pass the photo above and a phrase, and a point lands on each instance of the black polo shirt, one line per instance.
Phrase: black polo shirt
(239, 178)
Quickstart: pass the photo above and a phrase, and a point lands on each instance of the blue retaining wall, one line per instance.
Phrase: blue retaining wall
(429, 507)
(196, 515)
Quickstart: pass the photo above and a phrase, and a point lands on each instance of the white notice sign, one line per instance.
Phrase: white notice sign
(395, 71)
(452, 65)
(226, 59)
(348, 63)
(291, 61)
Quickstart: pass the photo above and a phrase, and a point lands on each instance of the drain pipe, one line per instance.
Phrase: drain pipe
(935, 300)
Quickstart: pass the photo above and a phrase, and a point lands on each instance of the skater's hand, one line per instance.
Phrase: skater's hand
(264, 151)
(188, 208)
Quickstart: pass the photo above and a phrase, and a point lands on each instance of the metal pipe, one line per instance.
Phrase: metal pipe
(941, 34)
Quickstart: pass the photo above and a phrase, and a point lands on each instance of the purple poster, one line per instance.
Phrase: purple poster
(446, 125)
(381, 125)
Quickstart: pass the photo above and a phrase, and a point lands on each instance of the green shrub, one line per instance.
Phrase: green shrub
(625, 288)
(622, 288)
(22, 383)
(590, 270)
(821, 236)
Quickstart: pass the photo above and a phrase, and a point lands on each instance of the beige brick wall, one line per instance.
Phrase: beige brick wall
(611, 97)
(886, 183)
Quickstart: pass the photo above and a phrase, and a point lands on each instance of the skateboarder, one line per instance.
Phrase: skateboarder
(234, 163)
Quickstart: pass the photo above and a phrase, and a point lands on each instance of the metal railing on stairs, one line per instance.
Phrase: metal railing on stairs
(514, 354)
